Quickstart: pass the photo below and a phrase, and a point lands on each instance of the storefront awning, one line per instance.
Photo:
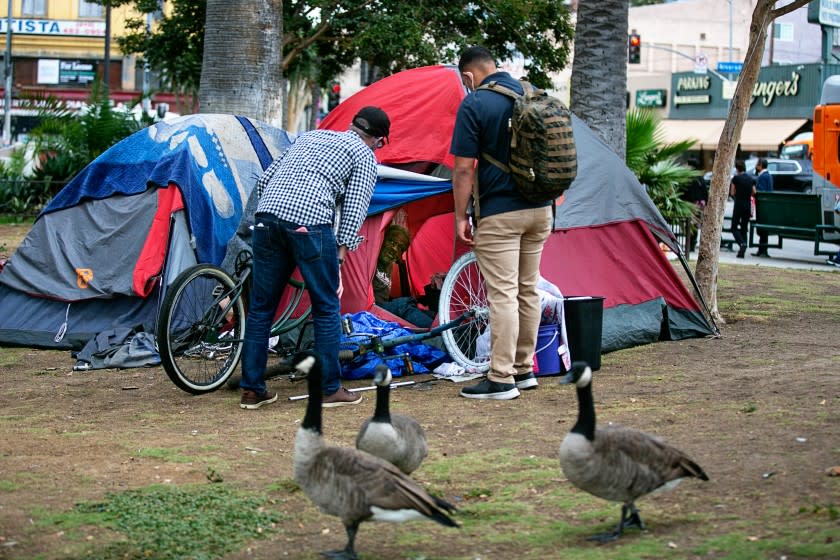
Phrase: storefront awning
(756, 135)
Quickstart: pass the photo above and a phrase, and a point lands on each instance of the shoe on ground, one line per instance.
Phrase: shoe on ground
(252, 400)
(741, 252)
(831, 261)
(526, 381)
(342, 397)
(487, 389)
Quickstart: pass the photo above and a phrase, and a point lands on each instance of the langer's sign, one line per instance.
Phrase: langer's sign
(770, 89)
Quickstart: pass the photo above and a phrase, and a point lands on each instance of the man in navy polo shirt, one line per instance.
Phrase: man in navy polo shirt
(510, 231)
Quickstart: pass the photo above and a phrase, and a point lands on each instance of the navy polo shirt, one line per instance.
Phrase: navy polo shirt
(481, 125)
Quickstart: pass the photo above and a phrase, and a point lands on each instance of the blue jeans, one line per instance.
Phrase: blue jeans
(278, 249)
(406, 307)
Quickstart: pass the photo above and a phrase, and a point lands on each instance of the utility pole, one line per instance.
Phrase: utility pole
(106, 72)
(7, 107)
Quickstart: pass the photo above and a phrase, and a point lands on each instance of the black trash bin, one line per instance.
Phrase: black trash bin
(584, 322)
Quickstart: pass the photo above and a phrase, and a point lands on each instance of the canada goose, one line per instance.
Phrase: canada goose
(616, 463)
(396, 438)
(351, 484)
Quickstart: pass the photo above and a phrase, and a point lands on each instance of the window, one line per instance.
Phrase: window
(31, 8)
(783, 31)
(89, 10)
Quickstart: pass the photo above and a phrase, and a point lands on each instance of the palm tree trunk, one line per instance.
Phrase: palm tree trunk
(241, 71)
(599, 70)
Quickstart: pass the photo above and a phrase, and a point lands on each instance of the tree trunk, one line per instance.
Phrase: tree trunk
(599, 70)
(706, 270)
(241, 72)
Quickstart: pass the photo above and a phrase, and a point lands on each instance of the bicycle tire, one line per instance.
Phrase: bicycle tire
(200, 329)
(463, 290)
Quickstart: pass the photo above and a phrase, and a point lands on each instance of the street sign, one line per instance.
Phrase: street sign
(729, 67)
(701, 63)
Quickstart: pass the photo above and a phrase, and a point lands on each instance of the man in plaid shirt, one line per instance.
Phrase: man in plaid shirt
(312, 202)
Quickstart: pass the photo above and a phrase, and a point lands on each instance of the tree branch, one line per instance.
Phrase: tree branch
(305, 43)
(787, 9)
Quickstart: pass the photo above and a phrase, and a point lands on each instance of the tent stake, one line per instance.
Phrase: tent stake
(359, 389)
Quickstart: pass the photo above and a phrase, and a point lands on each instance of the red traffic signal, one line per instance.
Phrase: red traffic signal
(334, 95)
(634, 48)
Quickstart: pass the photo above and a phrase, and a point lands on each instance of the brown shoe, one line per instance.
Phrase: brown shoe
(342, 397)
(251, 400)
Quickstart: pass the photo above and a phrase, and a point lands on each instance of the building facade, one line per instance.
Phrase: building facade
(58, 48)
(691, 54)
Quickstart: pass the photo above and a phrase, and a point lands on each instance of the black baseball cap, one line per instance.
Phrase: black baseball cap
(373, 121)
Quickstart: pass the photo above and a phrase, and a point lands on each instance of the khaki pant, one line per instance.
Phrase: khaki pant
(508, 248)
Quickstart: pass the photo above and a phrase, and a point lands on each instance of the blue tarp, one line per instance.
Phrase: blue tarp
(424, 357)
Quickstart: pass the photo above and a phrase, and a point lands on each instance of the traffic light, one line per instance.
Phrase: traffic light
(634, 48)
(334, 97)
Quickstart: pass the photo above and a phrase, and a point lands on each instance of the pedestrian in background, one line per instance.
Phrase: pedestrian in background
(697, 192)
(764, 183)
(509, 234)
(312, 202)
(742, 189)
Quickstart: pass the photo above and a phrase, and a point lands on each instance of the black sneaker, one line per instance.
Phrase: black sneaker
(251, 400)
(487, 389)
(526, 381)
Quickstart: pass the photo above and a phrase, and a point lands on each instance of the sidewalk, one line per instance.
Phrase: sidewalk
(793, 254)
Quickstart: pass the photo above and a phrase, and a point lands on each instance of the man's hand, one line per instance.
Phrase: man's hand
(463, 230)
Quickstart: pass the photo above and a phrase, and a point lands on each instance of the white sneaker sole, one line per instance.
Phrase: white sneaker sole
(530, 383)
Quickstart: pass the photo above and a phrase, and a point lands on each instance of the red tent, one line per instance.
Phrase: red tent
(607, 234)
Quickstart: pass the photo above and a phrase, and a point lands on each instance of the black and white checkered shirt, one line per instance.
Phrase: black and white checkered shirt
(325, 176)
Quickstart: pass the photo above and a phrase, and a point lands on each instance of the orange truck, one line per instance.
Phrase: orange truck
(800, 146)
(826, 149)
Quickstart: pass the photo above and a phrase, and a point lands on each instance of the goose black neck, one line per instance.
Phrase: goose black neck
(312, 418)
(383, 409)
(585, 424)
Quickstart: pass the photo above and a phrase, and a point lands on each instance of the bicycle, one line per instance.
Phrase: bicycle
(464, 294)
(201, 323)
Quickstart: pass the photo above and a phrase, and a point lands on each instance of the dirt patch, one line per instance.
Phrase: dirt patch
(757, 408)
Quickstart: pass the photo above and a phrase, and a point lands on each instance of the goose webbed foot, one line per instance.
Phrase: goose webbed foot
(604, 538)
(340, 554)
(349, 552)
(630, 518)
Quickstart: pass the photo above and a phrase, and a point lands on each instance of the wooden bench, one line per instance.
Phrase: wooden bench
(789, 215)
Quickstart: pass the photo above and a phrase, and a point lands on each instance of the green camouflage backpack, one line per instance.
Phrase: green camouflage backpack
(543, 158)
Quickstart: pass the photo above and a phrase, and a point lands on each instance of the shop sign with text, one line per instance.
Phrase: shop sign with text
(79, 28)
(651, 97)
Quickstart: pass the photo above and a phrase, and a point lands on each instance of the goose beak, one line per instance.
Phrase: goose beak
(576, 372)
(382, 375)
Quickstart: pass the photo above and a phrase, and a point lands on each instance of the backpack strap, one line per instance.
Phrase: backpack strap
(508, 92)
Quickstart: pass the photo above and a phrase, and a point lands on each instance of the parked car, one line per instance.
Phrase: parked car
(790, 174)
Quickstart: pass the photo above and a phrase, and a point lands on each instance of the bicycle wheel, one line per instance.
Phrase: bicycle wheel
(200, 329)
(464, 291)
